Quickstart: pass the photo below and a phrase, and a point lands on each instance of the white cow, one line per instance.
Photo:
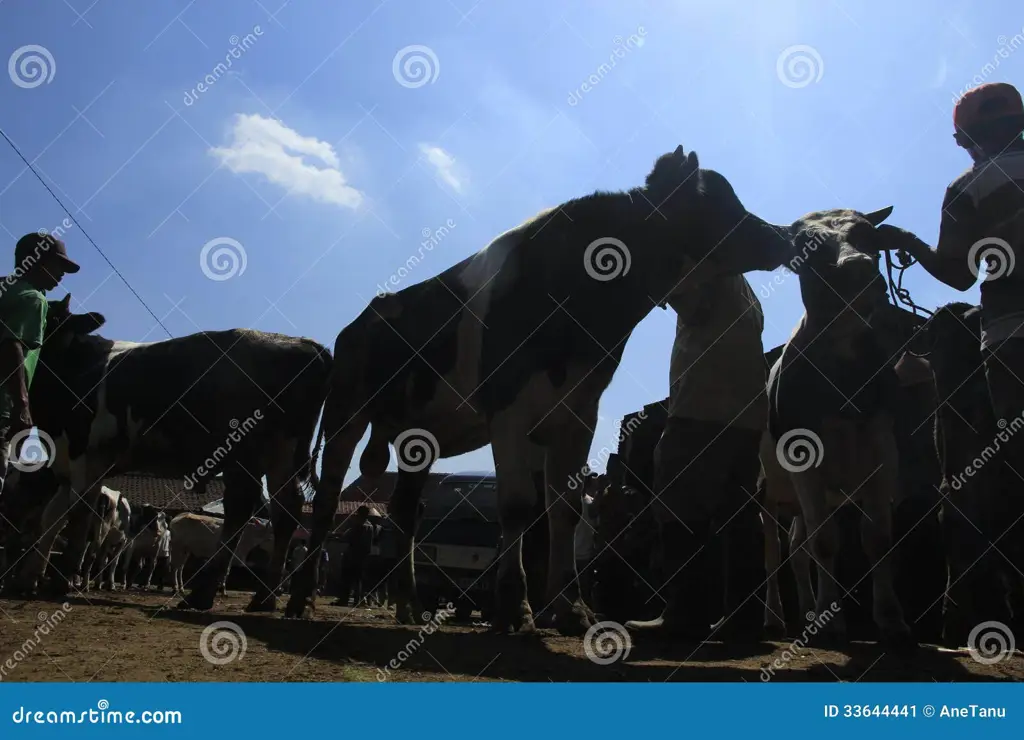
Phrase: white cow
(150, 542)
(108, 537)
(198, 535)
(832, 408)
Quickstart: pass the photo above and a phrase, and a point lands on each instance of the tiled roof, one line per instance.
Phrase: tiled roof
(348, 508)
(164, 493)
(360, 492)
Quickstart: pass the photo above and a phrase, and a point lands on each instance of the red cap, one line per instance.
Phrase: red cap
(985, 103)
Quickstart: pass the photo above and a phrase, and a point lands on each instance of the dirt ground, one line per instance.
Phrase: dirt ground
(140, 637)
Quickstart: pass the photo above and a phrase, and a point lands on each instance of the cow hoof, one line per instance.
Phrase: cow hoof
(774, 632)
(197, 602)
(830, 639)
(517, 619)
(266, 604)
(300, 608)
(408, 613)
(899, 643)
(574, 622)
(58, 587)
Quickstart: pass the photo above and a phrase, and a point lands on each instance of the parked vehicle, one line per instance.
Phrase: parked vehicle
(457, 542)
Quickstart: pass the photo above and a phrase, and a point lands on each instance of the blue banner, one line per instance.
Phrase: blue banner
(473, 711)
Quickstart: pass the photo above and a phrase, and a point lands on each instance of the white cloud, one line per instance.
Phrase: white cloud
(444, 163)
(268, 147)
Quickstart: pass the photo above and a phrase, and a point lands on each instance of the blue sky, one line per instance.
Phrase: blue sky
(312, 156)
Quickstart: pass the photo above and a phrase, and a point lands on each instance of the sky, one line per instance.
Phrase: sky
(280, 192)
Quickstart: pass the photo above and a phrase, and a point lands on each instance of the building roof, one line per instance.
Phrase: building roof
(164, 493)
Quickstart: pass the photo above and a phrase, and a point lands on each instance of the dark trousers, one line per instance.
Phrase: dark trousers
(706, 480)
(1004, 370)
(351, 581)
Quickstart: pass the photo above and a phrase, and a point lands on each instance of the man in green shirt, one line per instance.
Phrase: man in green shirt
(40, 262)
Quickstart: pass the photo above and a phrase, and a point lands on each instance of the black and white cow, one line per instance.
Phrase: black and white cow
(514, 346)
(832, 396)
(241, 402)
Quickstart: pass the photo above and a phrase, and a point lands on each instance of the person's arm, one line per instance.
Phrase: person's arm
(951, 260)
(12, 369)
(21, 328)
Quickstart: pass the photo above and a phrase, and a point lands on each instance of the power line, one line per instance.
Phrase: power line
(94, 244)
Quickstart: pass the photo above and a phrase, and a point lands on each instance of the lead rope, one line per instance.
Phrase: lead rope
(896, 290)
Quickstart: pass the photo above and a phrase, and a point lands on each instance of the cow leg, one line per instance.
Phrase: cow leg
(774, 623)
(876, 538)
(285, 512)
(342, 431)
(86, 480)
(404, 510)
(54, 516)
(150, 567)
(243, 493)
(800, 561)
(566, 457)
(823, 540)
(517, 499)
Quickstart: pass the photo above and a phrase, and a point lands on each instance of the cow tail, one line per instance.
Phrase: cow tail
(305, 459)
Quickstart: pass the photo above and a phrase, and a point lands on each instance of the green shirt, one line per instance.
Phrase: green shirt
(22, 318)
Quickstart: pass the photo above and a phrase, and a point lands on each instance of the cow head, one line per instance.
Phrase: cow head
(700, 207)
(62, 326)
(837, 260)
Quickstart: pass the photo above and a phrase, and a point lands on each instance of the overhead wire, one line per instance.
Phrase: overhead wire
(84, 232)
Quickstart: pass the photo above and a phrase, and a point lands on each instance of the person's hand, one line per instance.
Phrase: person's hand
(22, 419)
(893, 238)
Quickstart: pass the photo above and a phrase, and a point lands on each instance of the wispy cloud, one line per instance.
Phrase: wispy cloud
(268, 147)
(444, 163)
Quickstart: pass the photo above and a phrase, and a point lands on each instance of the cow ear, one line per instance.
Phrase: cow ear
(877, 217)
(85, 323)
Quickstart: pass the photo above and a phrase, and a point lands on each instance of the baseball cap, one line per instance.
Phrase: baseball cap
(35, 246)
(992, 101)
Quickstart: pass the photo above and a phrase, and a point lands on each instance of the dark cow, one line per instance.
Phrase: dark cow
(241, 402)
(832, 398)
(514, 346)
(974, 484)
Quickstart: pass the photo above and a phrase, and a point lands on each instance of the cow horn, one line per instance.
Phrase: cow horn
(877, 217)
